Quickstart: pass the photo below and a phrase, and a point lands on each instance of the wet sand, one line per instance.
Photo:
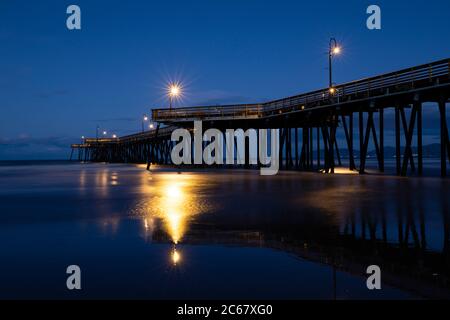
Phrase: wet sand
(232, 234)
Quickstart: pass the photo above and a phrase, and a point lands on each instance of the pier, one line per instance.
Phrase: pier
(308, 124)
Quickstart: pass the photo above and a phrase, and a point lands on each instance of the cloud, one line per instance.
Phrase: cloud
(26, 147)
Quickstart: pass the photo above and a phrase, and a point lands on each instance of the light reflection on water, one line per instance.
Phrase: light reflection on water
(191, 218)
(172, 199)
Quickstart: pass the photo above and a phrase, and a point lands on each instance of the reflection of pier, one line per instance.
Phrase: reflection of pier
(398, 246)
(316, 116)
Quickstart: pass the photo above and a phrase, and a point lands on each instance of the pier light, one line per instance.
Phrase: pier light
(82, 137)
(151, 126)
(144, 119)
(332, 90)
(114, 136)
(174, 91)
(105, 133)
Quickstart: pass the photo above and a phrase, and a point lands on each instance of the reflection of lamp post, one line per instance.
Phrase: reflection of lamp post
(175, 255)
(174, 92)
(333, 50)
(144, 118)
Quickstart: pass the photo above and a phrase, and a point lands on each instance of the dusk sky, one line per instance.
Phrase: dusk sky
(57, 85)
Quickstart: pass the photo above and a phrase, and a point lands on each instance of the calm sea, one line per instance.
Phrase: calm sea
(206, 234)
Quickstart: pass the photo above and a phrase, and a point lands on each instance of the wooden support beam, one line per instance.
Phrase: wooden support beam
(307, 148)
(349, 139)
(330, 152)
(409, 130)
(397, 140)
(361, 142)
(290, 159)
(381, 129)
(318, 148)
(406, 130)
(280, 151)
(363, 152)
(303, 150)
(311, 148)
(296, 147)
(418, 107)
(444, 137)
(326, 158)
(375, 140)
(332, 139)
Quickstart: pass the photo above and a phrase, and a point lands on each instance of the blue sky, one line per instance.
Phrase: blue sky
(56, 84)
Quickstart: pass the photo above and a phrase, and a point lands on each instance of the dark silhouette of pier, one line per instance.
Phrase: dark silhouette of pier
(394, 235)
(308, 124)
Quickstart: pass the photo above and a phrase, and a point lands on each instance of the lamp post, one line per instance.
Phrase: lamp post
(174, 92)
(333, 50)
(144, 118)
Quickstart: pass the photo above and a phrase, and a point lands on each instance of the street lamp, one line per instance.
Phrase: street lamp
(105, 133)
(333, 50)
(144, 118)
(114, 136)
(174, 92)
(151, 126)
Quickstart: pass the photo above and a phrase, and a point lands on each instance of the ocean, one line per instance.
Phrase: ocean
(175, 233)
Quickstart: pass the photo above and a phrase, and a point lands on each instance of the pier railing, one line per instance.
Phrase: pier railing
(225, 111)
(161, 132)
(406, 80)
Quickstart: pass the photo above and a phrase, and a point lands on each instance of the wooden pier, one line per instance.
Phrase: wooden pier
(311, 117)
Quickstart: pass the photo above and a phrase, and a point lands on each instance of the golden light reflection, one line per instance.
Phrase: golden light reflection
(83, 179)
(342, 170)
(102, 183)
(114, 179)
(172, 199)
(175, 256)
